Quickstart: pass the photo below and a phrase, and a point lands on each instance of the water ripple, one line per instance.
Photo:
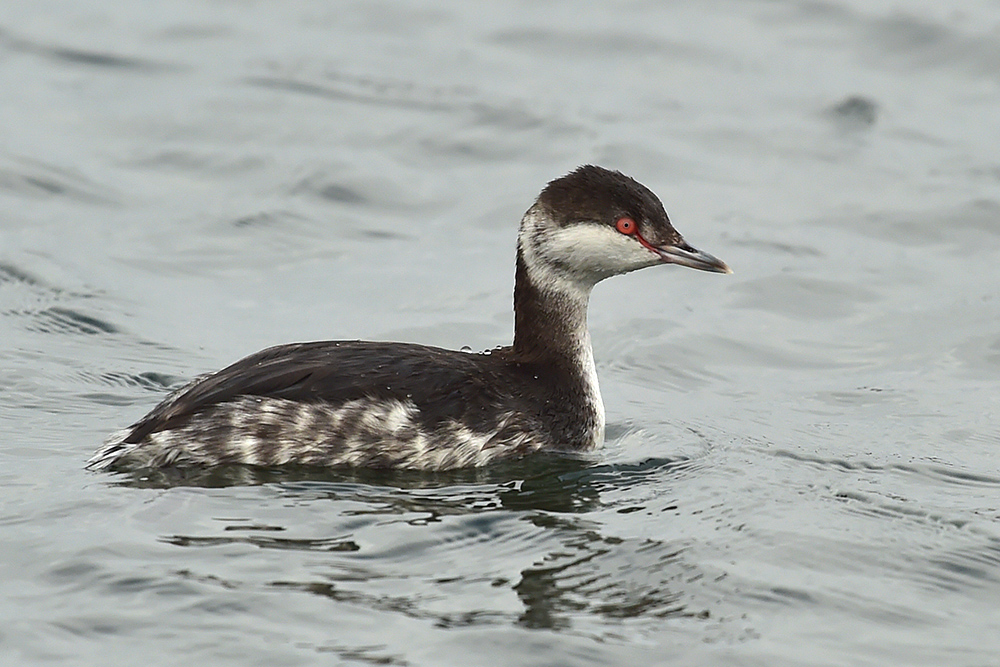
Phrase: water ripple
(264, 542)
(62, 320)
(78, 56)
(936, 472)
(36, 179)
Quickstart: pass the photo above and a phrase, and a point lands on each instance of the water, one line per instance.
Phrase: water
(801, 466)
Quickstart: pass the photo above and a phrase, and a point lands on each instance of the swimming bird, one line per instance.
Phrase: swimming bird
(402, 405)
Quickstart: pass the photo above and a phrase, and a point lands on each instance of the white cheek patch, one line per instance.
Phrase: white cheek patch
(597, 251)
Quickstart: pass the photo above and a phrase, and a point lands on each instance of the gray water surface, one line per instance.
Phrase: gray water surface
(801, 466)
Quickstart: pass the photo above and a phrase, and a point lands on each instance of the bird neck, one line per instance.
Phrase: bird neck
(550, 315)
(550, 329)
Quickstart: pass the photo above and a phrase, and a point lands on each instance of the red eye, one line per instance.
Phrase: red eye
(625, 225)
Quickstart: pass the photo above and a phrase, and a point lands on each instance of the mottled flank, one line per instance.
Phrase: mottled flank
(272, 432)
(400, 405)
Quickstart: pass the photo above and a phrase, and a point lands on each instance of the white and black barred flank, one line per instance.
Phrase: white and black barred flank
(340, 403)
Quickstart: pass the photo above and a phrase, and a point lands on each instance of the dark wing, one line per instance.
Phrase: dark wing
(443, 383)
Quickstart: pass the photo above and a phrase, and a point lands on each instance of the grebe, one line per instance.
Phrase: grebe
(401, 405)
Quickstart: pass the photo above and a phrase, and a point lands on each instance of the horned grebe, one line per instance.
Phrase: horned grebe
(400, 405)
